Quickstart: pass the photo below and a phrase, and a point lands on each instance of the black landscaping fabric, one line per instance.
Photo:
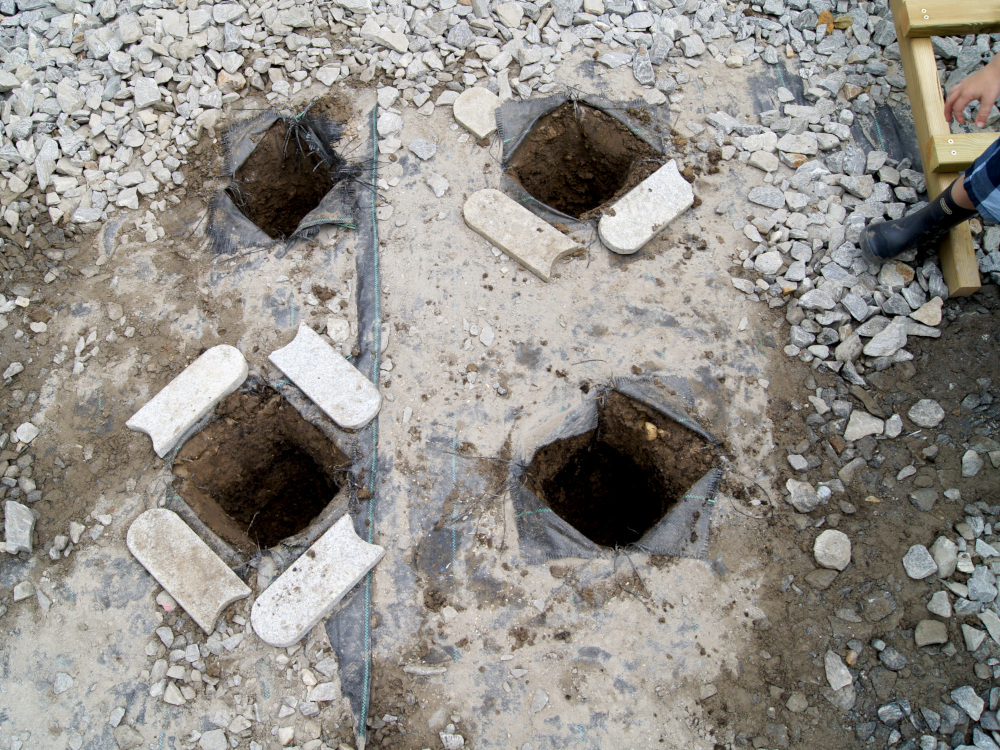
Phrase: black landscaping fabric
(230, 230)
(682, 532)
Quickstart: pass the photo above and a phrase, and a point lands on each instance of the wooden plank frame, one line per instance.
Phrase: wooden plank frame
(958, 255)
(948, 18)
(955, 153)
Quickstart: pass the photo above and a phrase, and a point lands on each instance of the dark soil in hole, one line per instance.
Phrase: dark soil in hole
(260, 473)
(280, 182)
(614, 483)
(577, 158)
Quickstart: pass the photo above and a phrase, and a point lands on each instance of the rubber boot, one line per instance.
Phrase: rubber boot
(880, 242)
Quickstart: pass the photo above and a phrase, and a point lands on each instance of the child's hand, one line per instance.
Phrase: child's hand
(982, 86)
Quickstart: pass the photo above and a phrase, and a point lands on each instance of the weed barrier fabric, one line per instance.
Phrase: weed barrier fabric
(682, 532)
(515, 120)
(349, 628)
(312, 135)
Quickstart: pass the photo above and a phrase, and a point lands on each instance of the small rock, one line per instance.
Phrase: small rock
(438, 184)
(965, 698)
(862, 424)
(837, 673)
(19, 527)
(423, 149)
(802, 496)
(539, 701)
(930, 633)
(26, 432)
(945, 555)
(475, 109)
(971, 464)
(926, 413)
(982, 585)
(62, 683)
(892, 659)
(767, 196)
(929, 313)
(918, 563)
(832, 549)
(939, 604)
(214, 739)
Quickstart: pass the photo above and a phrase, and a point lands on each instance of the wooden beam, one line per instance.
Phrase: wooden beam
(955, 153)
(958, 256)
(924, 18)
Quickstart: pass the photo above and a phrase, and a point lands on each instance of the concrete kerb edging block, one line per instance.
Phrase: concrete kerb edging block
(190, 396)
(313, 585)
(533, 243)
(197, 578)
(330, 381)
(645, 210)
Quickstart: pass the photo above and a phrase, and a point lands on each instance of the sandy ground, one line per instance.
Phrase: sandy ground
(629, 651)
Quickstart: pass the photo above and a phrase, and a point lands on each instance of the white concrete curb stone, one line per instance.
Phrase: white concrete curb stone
(183, 564)
(514, 229)
(476, 110)
(314, 584)
(334, 384)
(646, 209)
(190, 396)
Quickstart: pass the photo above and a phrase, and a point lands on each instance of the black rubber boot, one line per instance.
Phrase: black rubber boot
(881, 242)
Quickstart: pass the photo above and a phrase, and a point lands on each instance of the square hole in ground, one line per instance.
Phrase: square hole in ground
(578, 158)
(259, 473)
(615, 483)
(281, 181)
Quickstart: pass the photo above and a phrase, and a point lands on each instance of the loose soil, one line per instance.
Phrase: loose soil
(616, 482)
(260, 473)
(577, 159)
(280, 182)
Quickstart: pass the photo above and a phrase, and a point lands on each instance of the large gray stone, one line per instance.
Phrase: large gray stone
(646, 210)
(514, 229)
(19, 527)
(475, 109)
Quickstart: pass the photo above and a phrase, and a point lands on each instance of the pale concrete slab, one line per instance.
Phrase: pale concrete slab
(190, 396)
(334, 384)
(535, 244)
(476, 110)
(183, 564)
(306, 592)
(645, 210)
